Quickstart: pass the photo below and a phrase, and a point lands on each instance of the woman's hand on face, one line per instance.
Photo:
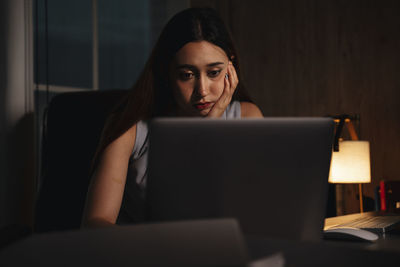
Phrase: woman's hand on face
(230, 83)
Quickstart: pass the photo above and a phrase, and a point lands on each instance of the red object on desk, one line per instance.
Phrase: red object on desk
(383, 195)
(391, 195)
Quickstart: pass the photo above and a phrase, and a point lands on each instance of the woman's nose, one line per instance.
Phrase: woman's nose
(201, 86)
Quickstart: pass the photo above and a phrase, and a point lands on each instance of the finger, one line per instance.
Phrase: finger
(234, 75)
(229, 89)
(232, 78)
(227, 86)
(224, 99)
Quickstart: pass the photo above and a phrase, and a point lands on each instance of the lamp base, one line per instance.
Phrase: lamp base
(340, 205)
(346, 199)
(360, 194)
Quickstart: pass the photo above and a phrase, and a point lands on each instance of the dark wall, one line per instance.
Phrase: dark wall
(313, 58)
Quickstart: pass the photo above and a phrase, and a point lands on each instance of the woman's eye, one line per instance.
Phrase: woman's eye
(185, 75)
(214, 73)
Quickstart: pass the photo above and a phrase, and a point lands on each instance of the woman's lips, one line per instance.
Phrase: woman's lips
(201, 106)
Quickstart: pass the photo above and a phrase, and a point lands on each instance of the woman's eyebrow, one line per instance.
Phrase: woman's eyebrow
(215, 64)
(188, 66)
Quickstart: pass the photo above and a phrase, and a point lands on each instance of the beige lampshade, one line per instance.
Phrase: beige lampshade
(351, 164)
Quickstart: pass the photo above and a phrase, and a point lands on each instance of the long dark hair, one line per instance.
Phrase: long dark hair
(151, 95)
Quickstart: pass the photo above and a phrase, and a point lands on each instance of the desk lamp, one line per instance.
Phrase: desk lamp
(350, 159)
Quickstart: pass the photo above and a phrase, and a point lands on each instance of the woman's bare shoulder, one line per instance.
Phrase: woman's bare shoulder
(250, 110)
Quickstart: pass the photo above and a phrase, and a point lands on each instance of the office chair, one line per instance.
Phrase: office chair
(71, 131)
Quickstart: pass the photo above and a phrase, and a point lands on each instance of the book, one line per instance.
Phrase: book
(377, 198)
(390, 196)
(383, 195)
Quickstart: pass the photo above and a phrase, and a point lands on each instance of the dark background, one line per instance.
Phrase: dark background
(298, 57)
(314, 58)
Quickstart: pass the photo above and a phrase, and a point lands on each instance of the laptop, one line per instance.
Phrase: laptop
(271, 173)
(215, 242)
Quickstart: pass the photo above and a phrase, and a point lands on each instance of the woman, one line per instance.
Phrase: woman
(192, 71)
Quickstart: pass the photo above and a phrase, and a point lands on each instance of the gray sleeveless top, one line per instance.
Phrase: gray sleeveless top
(132, 208)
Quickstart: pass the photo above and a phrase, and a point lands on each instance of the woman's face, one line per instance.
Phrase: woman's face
(197, 75)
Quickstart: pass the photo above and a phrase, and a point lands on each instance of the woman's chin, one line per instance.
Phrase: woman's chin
(204, 112)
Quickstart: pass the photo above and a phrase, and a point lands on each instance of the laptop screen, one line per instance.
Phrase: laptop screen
(271, 174)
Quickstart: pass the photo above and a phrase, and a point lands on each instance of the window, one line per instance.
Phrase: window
(98, 44)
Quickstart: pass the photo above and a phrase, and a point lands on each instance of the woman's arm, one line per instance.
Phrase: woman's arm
(250, 110)
(108, 182)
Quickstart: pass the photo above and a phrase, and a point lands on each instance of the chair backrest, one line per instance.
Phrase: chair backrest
(73, 127)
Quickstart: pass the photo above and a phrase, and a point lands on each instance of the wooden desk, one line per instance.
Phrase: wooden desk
(197, 243)
(384, 252)
(323, 253)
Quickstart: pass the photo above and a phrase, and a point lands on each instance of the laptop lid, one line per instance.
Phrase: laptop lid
(271, 174)
(216, 242)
